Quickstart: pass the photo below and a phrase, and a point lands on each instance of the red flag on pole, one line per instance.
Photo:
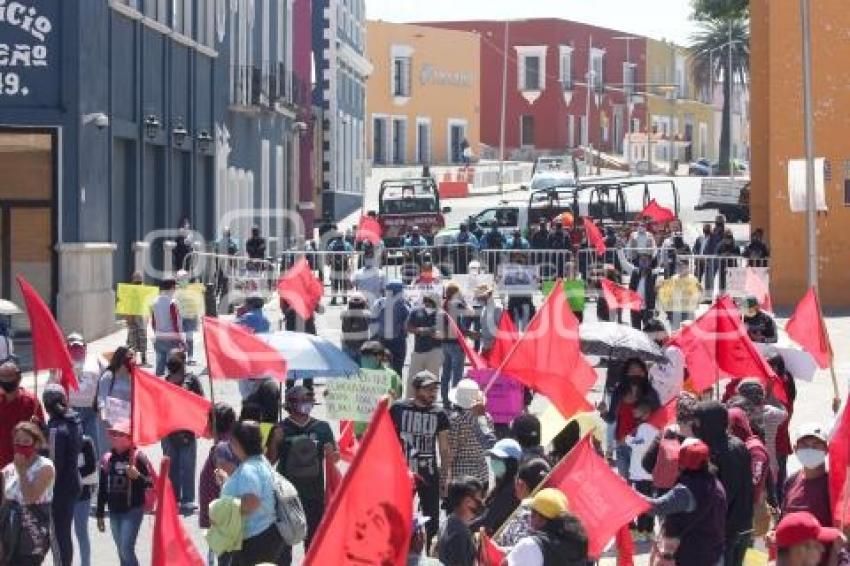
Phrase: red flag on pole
(594, 236)
(348, 444)
(506, 337)
(300, 289)
(159, 408)
(619, 297)
(657, 213)
(839, 460)
(49, 350)
(489, 554)
(548, 359)
(625, 547)
(368, 230)
(476, 360)
(172, 545)
(807, 328)
(601, 499)
(371, 518)
(754, 285)
(234, 352)
(333, 479)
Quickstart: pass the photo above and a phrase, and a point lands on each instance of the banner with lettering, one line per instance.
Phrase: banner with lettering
(355, 398)
(30, 63)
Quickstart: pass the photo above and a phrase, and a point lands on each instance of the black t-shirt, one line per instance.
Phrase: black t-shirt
(418, 428)
(302, 456)
(422, 318)
(456, 546)
(761, 324)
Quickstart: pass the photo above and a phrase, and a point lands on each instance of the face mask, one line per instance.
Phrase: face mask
(498, 466)
(811, 457)
(305, 408)
(25, 450)
(10, 386)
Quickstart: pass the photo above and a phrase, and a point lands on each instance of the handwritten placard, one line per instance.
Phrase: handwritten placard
(355, 398)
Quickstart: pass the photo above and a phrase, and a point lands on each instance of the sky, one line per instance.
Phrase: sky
(658, 19)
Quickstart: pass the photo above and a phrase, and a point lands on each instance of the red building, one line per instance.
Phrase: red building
(547, 70)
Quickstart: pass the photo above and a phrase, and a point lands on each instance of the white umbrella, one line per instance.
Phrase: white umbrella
(798, 362)
(309, 356)
(618, 341)
(8, 308)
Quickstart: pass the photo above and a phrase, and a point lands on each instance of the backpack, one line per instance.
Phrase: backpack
(666, 469)
(150, 499)
(290, 520)
(302, 460)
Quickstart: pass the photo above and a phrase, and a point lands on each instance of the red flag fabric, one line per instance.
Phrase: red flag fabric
(159, 408)
(806, 327)
(489, 553)
(625, 547)
(839, 459)
(548, 359)
(333, 479)
(49, 350)
(348, 444)
(172, 545)
(368, 230)
(601, 499)
(594, 236)
(619, 297)
(506, 337)
(300, 289)
(700, 362)
(657, 213)
(234, 352)
(476, 360)
(664, 416)
(371, 518)
(755, 286)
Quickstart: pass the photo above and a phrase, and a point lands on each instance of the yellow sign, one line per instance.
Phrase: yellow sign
(755, 557)
(190, 299)
(135, 299)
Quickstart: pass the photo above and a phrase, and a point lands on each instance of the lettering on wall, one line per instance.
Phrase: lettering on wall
(431, 75)
(28, 52)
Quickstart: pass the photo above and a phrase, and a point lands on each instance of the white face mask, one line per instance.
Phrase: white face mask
(811, 457)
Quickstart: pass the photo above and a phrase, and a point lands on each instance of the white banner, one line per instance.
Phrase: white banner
(797, 184)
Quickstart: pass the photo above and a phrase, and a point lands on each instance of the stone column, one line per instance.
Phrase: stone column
(86, 297)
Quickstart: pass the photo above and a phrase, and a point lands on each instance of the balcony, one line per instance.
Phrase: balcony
(272, 89)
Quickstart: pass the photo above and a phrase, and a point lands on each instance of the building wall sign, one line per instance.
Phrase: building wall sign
(431, 75)
(28, 51)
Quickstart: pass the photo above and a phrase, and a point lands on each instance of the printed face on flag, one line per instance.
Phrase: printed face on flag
(377, 536)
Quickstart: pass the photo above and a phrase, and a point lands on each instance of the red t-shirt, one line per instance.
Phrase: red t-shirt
(808, 495)
(626, 422)
(22, 408)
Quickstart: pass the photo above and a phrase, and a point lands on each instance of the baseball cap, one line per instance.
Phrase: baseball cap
(693, 454)
(75, 339)
(465, 394)
(814, 430)
(423, 379)
(801, 527)
(507, 448)
(372, 348)
(551, 503)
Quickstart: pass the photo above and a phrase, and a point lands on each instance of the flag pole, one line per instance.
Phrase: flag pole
(836, 394)
(212, 383)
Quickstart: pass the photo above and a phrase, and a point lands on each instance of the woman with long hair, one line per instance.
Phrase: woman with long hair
(502, 500)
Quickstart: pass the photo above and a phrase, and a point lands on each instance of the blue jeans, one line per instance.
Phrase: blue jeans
(163, 348)
(453, 358)
(190, 326)
(182, 473)
(81, 530)
(125, 530)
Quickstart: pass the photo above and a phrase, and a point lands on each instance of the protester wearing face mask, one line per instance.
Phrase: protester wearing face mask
(114, 391)
(808, 489)
(17, 405)
(64, 443)
(530, 475)
(644, 281)
(502, 500)
(557, 536)
(84, 399)
(760, 326)
(679, 296)
(299, 445)
(424, 323)
(640, 242)
(28, 488)
(456, 546)
(667, 377)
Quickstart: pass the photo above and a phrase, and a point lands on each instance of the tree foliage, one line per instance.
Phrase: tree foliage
(707, 10)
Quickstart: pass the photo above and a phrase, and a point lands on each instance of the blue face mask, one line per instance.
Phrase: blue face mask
(498, 466)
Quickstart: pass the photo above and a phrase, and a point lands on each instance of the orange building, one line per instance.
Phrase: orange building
(423, 96)
(777, 137)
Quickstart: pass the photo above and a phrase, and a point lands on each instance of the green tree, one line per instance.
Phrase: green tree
(709, 53)
(720, 9)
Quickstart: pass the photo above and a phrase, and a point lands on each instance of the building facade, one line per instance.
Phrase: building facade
(778, 137)
(339, 46)
(550, 107)
(423, 96)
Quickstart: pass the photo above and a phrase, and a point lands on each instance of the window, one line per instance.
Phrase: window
(399, 138)
(531, 76)
(401, 76)
(157, 10)
(130, 3)
(531, 70)
(527, 130)
(629, 78)
(423, 141)
(584, 140)
(571, 131)
(566, 67)
(205, 26)
(597, 68)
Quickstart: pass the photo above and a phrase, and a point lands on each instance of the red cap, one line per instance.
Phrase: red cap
(800, 527)
(693, 455)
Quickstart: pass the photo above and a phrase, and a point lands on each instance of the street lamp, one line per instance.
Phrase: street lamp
(180, 133)
(204, 141)
(152, 125)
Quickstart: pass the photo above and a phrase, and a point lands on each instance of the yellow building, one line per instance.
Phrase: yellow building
(678, 110)
(422, 99)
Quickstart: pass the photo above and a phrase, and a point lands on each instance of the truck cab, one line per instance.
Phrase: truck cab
(405, 203)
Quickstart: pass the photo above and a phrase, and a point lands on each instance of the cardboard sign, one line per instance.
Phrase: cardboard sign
(414, 292)
(504, 399)
(575, 290)
(135, 300)
(514, 278)
(355, 398)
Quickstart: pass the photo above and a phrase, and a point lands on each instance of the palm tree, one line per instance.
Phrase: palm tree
(709, 52)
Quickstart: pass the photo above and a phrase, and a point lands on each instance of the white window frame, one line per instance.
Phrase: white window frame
(565, 67)
(401, 51)
(597, 55)
(422, 121)
(629, 78)
(265, 184)
(524, 52)
(451, 122)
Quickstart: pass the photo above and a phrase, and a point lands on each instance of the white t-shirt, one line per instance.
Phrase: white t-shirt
(12, 485)
(526, 553)
(639, 442)
(667, 378)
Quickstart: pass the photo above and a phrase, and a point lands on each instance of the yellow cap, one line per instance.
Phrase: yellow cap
(551, 503)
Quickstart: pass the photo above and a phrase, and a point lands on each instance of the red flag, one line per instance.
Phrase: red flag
(160, 408)
(506, 337)
(665, 415)
(657, 213)
(619, 297)
(475, 359)
(371, 518)
(368, 230)
(300, 289)
(625, 547)
(755, 285)
(172, 545)
(234, 352)
(806, 327)
(49, 350)
(333, 479)
(547, 358)
(489, 553)
(839, 459)
(601, 499)
(594, 236)
(348, 444)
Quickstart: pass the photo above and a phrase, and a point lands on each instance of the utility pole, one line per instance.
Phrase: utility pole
(672, 94)
(590, 85)
(811, 200)
(504, 110)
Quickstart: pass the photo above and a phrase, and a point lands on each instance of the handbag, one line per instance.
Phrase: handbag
(34, 533)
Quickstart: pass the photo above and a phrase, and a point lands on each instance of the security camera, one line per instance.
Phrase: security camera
(99, 119)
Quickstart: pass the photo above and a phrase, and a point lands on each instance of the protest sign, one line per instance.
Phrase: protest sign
(416, 291)
(575, 290)
(355, 398)
(514, 278)
(135, 300)
(737, 284)
(505, 397)
(469, 281)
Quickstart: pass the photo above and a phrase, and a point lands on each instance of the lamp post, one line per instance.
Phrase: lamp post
(811, 201)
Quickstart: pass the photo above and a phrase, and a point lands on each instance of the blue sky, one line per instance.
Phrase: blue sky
(659, 19)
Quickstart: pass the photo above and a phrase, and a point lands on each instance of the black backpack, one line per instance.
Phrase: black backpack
(303, 462)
